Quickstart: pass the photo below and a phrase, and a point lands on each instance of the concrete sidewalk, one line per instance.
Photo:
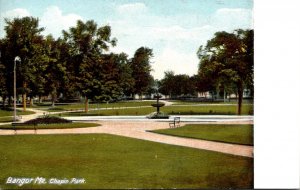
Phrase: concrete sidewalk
(138, 130)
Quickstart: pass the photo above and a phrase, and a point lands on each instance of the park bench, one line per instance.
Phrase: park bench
(14, 124)
(175, 122)
(18, 124)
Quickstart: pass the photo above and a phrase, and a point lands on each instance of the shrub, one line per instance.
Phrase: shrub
(46, 119)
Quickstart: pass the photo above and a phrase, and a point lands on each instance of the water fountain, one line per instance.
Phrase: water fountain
(157, 105)
(158, 114)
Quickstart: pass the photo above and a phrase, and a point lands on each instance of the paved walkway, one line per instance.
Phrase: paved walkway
(139, 130)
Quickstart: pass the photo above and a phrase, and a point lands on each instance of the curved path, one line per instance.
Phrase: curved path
(139, 130)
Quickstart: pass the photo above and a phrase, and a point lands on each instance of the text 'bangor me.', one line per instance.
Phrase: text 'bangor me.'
(42, 181)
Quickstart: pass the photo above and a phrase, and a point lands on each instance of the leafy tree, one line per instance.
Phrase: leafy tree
(126, 79)
(141, 68)
(56, 71)
(87, 42)
(24, 40)
(167, 84)
(107, 86)
(227, 60)
(178, 85)
(3, 73)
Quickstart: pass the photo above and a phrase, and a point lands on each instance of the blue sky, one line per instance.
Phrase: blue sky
(174, 29)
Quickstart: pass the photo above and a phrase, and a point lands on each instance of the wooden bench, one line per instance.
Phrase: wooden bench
(175, 122)
(14, 124)
(18, 124)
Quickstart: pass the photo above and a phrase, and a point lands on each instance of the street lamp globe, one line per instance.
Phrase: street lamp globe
(17, 58)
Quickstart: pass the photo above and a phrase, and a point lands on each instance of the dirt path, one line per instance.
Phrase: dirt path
(139, 130)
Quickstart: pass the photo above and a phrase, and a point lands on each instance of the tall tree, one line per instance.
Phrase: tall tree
(23, 37)
(126, 79)
(141, 68)
(167, 84)
(87, 42)
(229, 57)
(3, 73)
(56, 71)
(178, 85)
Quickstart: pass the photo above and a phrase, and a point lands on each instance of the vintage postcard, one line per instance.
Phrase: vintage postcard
(126, 94)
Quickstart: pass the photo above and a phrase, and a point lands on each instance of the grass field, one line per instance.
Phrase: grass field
(51, 126)
(6, 119)
(171, 110)
(182, 102)
(6, 116)
(6, 113)
(93, 106)
(112, 162)
(237, 134)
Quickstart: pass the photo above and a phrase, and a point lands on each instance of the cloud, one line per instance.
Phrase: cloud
(230, 19)
(15, 13)
(174, 60)
(54, 21)
(177, 32)
(131, 8)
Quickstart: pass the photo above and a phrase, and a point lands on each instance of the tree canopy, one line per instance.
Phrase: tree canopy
(227, 59)
(80, 64)
(141, 68)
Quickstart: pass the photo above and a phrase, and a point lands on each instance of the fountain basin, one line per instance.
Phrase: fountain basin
(157, 115)
(158, 105)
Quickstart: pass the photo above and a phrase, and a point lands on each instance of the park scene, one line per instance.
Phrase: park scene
(133, 94)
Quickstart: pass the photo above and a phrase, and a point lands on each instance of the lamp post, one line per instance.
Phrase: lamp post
(17, 58)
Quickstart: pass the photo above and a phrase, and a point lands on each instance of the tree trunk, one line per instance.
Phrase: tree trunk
(3, 101)
(240, 99)
(52, 101)
(24, 97)
(40, 99)
(53, 98)
(24, 101)
(9, 101)
(30, 101)
(86, 104)
(224, 96)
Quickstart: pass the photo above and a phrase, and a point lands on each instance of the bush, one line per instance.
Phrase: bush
(47, 120)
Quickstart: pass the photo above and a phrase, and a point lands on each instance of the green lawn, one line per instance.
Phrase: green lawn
(172, 110)
(237, 134)
(112, 162)
(51, 126)
(209, 109)
(93, 106)
(5, 113)
(182, 102)
(6, 119)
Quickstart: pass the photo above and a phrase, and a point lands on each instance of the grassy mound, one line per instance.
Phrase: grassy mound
(47, 120)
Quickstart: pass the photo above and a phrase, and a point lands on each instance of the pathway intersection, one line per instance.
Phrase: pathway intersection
(139, 129)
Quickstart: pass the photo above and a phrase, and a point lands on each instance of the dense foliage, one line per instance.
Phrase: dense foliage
(79, 64)
(227, 60)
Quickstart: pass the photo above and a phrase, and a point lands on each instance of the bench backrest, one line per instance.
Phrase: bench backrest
(176, 119)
